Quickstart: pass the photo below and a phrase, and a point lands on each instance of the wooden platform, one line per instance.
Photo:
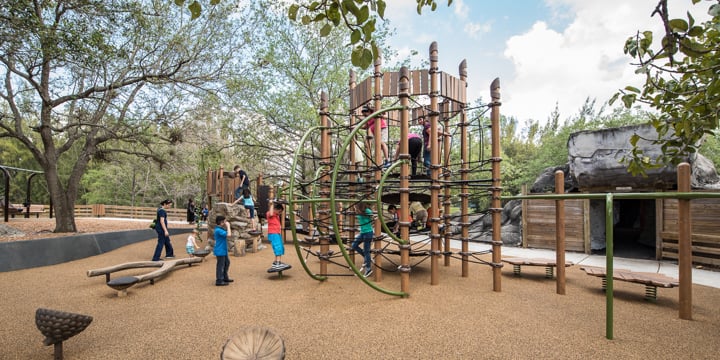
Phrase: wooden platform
(549, 264)
(651, 280)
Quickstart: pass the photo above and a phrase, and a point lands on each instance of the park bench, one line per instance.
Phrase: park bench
(549, 264)
(650, 280)
(18, 209)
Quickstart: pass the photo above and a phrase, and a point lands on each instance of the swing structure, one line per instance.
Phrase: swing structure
(347, 173)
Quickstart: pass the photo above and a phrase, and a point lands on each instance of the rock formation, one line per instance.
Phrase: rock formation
(240, 225)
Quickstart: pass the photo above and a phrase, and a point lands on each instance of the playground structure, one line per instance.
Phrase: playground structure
(27, 208)
(348, 174)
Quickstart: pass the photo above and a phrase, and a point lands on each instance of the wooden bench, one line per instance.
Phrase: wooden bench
(650, 280)
(35, 209)
(549, 264)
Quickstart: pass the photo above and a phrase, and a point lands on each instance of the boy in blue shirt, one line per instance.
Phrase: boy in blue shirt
(221, 233)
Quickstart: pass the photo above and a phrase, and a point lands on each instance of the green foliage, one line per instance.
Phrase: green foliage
(104, 78)
(359, 17)
(681, 83)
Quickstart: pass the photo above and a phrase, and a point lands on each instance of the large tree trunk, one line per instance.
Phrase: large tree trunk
(63, 202)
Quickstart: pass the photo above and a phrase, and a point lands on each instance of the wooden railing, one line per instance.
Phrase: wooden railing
(126, 212)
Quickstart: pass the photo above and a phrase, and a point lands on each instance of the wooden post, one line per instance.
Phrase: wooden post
(464, 187)
(560, 233)
(434, 170)
(377, 245)
(496, 189)
(324, 180)
(403, 94)
(352, 167)
(684, 243)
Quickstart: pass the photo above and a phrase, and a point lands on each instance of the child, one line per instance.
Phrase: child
(249, 204)
(221, 233)
(191, 245)
(394, 223)
(365, 218)
(205, 213)
(273, 217)
(370, 126)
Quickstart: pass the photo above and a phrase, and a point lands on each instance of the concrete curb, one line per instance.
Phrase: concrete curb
(18, 255)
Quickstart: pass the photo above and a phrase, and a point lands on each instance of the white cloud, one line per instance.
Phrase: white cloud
(475, 30)
(583, 60)
(460, 9)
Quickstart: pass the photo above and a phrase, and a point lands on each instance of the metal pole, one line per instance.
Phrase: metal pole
(609, 266)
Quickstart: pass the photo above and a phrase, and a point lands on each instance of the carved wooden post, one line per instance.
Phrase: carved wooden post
(377, 245)
(684, 244)
(495, 204)
(560, 233)
(324, 181)
(403, 93)
(434, 168)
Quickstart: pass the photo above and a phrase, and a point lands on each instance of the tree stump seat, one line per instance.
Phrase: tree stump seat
(122, 283)
(254, 343)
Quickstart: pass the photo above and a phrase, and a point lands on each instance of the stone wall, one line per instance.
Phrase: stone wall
(240, 225)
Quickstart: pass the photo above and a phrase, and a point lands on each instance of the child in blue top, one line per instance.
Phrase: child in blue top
(365, 220)
(221, 233)
(249, 204)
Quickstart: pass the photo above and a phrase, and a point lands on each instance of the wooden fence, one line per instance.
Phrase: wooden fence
(125, 212)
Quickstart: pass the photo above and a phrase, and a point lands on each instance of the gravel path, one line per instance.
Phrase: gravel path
(184, 316)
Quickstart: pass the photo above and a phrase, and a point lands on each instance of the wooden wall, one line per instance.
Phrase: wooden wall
(539, 227)
(705, 231)
(539, 224)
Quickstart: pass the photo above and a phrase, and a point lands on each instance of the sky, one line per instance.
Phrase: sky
(545, 52)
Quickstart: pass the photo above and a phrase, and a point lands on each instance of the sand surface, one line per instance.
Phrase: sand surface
(184, 316)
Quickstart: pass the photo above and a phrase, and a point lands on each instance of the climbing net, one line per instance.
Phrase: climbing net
(339, 167)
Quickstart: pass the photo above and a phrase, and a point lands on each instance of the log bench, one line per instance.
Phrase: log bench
(651, 280)
(549, 264)
(121, 284)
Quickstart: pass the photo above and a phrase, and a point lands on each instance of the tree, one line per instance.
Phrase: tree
(355, 15)
(293, 64)
(85, 80)
(681, 83)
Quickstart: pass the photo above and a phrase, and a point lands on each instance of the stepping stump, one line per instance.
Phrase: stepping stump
(254, 343)
(122, 283)
(202, 253)
(58, 326)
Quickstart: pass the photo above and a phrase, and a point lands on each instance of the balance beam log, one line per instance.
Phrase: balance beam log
(123, 283)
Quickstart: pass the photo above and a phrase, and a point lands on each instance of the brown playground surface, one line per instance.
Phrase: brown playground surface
(184, 316)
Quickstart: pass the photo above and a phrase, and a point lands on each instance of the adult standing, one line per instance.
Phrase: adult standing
(161, 227)
(191, 211)
(419, 214)
(244, 181)
(415, 145)
(427, 150)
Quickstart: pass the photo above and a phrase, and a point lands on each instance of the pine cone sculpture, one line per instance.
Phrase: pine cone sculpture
(58, 326)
